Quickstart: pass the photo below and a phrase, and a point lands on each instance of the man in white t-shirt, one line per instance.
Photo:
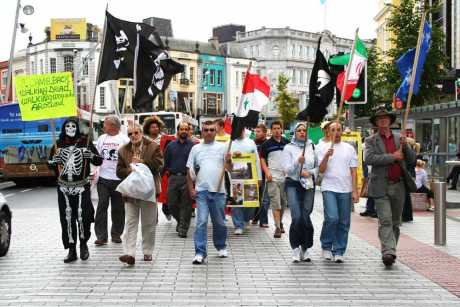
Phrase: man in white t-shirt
(108, 145)
(205, 165)
(339, 188)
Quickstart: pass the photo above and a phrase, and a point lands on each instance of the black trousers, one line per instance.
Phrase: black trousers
(107, 194)
(75, 209)
(179, 202)
(454, 174)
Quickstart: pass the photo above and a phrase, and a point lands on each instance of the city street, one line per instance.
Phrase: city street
(258, 272)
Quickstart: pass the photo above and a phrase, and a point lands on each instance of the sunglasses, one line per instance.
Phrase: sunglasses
(135, 133)
(209, 130)
(301, 130)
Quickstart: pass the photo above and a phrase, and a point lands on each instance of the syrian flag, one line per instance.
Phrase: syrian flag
(135, 51)
(356, 67)
(321, 91)
(256, 93)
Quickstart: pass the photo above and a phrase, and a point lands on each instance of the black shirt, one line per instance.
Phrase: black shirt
(176, 155)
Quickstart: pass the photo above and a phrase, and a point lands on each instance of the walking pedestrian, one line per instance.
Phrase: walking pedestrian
(108, 145)
(388, 153)
(272, 165)
(300, 170)
(139, 150)
(339, 188)
(261, 215)
(241, 216)
(71, 158)
(205, 164)
(454, 174)
(175, 158)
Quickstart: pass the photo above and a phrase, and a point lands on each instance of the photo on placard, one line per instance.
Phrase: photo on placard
(237, 192)
(250, 192)
(241, 171)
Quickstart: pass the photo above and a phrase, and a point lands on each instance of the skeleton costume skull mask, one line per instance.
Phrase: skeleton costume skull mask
(70, 129)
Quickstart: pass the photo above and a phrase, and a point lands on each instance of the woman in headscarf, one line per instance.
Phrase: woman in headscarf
(72, 156)
(301, 169)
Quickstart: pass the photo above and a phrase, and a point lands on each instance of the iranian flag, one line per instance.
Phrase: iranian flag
(356, 67)
(256, 92)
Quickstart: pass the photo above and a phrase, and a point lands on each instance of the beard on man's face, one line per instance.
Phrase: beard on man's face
(183, 135)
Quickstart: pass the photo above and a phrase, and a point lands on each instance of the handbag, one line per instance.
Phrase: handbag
(364, 188)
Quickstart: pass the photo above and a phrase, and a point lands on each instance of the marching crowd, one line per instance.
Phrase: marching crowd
(190, 181)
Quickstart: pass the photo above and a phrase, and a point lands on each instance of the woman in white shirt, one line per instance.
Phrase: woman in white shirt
(421, 183)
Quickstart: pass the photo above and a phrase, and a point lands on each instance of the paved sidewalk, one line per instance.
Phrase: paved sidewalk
(259, 272)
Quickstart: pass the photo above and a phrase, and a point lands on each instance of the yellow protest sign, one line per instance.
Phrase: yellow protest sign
(244, 181)
(354, 139)
(46, 96)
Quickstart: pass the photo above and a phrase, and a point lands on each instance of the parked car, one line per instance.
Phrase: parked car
(5, 226)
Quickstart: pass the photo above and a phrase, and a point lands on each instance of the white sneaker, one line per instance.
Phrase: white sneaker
(305, 255)
(338, 259)
(238, 231)
(222, 253)
(199, 259)
(327, 255)
(296, 255)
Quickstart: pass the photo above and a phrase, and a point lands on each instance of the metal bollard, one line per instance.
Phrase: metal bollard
(439, 190)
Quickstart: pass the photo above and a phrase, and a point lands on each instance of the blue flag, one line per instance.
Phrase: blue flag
(406, 61)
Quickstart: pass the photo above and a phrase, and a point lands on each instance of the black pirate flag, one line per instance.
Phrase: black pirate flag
(124, 42)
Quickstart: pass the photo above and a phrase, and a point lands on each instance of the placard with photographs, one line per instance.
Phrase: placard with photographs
(244, 181)
(354, 139)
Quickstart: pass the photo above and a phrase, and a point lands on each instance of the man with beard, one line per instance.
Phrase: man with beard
(179, 200)
(72, 156)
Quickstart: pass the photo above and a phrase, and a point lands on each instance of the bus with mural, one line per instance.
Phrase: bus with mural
(25, 145)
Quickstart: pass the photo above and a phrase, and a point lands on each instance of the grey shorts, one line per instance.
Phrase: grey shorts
(277, 195)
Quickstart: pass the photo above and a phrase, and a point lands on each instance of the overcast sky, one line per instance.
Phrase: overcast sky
(194, 19)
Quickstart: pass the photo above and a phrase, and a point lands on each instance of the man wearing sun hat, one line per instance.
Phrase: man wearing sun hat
(388, 153)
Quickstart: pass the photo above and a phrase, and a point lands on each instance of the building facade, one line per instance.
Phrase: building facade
(289, 52)
(236, 68)
(4, 82)
(383, 42)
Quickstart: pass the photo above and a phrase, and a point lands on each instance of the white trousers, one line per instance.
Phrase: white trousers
(149, 218)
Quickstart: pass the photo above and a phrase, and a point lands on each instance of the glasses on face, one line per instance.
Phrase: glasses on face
(133, 132)
(209, 129)
(301, 130)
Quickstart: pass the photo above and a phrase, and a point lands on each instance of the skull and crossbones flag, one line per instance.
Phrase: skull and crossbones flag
(122, 39)
(321, 90)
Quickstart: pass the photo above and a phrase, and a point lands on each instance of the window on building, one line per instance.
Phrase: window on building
(4, 78)
(34, 69)
(298, 76)
(219, 78)
(300, 51)
(174, 77)
(85, 68)
(52, 65)
(192, 74)
(243, 76)
(211, 77)
(41, 66)
(293, 51)
(293, 79)
(68, 63)
(204, 77)
(237, 79)
(301, 77)
(183, 75)
(102, 97)
(84, 96)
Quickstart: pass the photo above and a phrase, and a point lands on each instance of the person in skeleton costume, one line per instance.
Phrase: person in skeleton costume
(72, 157)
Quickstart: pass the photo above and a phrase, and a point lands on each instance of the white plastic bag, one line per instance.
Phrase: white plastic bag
(140, 184)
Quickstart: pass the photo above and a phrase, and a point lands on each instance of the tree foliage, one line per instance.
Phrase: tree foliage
(288, 106)
(404, 24)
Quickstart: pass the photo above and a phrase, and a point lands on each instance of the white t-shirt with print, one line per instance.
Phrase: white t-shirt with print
(337, 177)
(108, 146)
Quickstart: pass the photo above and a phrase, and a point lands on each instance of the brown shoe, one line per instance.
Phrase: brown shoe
(100, 242)
(282, 228)
(277, 233)
(116, 240)
(127, 259)
(147, 257)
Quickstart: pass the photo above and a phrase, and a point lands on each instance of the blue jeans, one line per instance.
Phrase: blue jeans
(300, 203)
(265, 204)
(210, 203)
(337, 214)
(241, 216)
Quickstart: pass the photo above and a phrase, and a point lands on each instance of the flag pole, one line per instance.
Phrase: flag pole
(98, 70)
(414, 72)
(221, 179)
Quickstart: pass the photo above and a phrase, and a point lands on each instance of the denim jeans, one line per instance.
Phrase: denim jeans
(264, 206)
(337, 214)
(210, 203)
(300, 203)
(241, 216)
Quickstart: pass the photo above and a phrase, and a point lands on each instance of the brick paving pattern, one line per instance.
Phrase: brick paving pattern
(259, 272)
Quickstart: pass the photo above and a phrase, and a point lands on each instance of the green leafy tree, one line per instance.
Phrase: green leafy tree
(288, 106)
(404, 23)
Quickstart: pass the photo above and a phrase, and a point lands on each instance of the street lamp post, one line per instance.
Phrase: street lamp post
(28, 10)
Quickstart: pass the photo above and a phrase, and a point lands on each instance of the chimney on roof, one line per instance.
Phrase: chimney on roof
(214, 41)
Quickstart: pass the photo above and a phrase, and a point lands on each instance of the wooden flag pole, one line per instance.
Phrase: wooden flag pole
(229, 148)
(414, 71)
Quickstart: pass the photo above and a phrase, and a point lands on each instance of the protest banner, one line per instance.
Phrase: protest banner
(244, 181)
(46, 96)
(354, 139)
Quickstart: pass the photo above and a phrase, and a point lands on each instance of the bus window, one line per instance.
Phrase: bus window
(42, 128)
(11, 130)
